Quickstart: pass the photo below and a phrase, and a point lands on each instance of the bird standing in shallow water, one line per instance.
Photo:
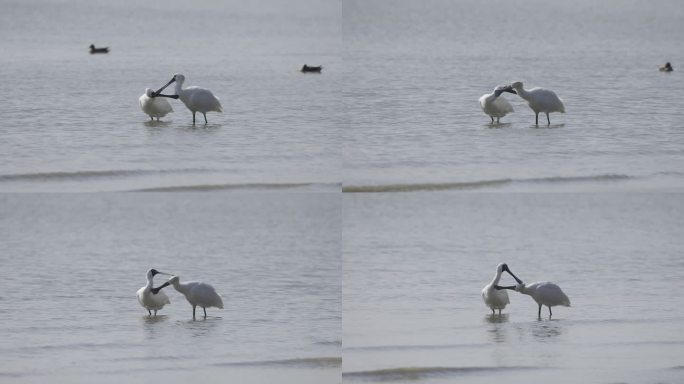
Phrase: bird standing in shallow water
(496, 106)
(197, 294)
(543, 292)
(494, 298)
(540, 100)
(149, 298)
(197, 99)
(154, 106)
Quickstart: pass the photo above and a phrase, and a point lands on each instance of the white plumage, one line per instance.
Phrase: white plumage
(197, 99)
(494, 105)
(540, 100)
(150, 299)
(197, 293)
(154, 106)
(492, 297)
(544, 293)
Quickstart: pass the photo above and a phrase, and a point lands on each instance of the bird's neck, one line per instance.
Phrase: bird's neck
(497, 277)
(150, 283)
(182, 288)
(522, 93)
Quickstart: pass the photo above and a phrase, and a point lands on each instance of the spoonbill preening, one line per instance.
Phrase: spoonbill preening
(150, 298)
(540, 100)
(155, 106)
(543, 292)
(197, 99)
(496, 106)
(494, 298)
(197, 294)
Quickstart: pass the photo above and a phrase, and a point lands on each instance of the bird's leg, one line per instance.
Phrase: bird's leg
(157, 118)
(497, 120)
(499, 311)
(549, 121)
(151, 118)
(193, 312)
(492, 117)
(493, 313)
(549, 313)
(539, 312)
(205, 312)
(155, 313)
(193, 118)
(150, 312)
(536, 118)
(205, 117)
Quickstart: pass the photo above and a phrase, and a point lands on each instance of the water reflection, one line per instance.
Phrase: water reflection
(497, 330)
(498, 125)
(151, 325)
(202, 327)
(156, 123)
(546, 330)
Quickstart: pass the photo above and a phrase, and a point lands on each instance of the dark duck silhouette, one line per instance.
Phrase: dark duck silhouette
(98, 50)
(307, 68)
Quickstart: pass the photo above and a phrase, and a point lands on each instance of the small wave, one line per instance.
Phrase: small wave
(414, 347)
(219, 187)
(418, 373)
(481, 184)
(306, 362)
(56, 176)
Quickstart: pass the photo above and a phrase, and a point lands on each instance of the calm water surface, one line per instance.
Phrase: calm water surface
(72, 120)
(71, 265)
(414, 266)
(414, 71)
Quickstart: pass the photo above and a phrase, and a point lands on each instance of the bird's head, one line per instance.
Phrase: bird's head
(92, 46)
(520, 287)
(149, 92)
(503, 267)
(518, 85)
(153, 272)
(174, 279)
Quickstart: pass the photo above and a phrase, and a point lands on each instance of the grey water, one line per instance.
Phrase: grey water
(71, 265)
(414, 266)
(72, 123)
(414, 71)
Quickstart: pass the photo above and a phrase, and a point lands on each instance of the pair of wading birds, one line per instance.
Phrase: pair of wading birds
(543, 292)
(197, 293)
(539, 99)
(197, 99)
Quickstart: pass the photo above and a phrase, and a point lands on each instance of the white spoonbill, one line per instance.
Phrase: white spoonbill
(149, 298)
(494, 298)
(496, 106)
(154, 106)
(540, 100)
(197, 99)
(544, 293)
(197, 294)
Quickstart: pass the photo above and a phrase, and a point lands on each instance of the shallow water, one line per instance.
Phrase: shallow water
(414, 265)
(71, 266)
(414, 72)
(72, 123)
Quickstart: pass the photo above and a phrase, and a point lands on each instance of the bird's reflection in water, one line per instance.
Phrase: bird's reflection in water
(497, 328)
(202, 327)
(546, 330)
